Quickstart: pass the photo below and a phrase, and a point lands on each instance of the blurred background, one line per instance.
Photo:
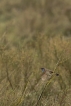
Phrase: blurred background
(23, 19)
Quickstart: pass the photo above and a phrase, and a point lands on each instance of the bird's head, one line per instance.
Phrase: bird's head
(43, 69)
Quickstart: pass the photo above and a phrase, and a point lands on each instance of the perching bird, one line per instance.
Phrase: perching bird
(47, 73)
(45, 76)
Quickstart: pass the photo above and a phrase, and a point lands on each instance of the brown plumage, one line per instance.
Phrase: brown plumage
(47, 74)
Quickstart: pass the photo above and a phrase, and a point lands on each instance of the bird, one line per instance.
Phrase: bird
(44, 77)
(48, 73)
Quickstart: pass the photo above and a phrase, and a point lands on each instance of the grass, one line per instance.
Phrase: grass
(23, 19)
(35, 34)
(21, 83)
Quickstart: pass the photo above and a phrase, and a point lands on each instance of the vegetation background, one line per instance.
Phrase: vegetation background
(35, 34)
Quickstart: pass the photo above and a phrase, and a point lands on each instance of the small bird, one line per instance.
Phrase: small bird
(45, 76)
(48, 72)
